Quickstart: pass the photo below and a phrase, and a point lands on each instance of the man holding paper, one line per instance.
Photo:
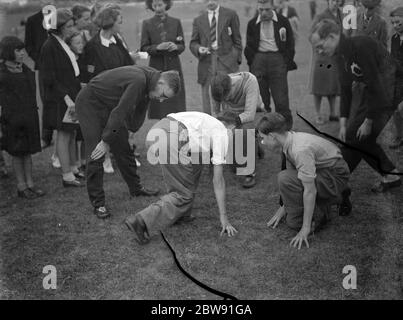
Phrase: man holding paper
(111, 108)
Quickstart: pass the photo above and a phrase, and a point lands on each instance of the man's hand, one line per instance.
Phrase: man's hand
(300, 238)
(172, 47)
(275, 220)
(343, 129)
(227, 228)
(163, 46)
(365, 130)
(131, 140)
(100, 150)
(204, 51)
(342, 134)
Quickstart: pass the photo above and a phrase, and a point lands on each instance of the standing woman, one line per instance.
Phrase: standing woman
(61, 73)
(162, 37)
(19, 119)
(324, 80)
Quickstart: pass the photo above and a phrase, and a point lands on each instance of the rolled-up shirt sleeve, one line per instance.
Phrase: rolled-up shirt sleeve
(252, 98)
(305, 164)
(220, 149)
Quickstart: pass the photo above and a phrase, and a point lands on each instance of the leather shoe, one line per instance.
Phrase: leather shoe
(137, 225)
(249, 182)
(385, 186)
(39, 192)
(72, 184)
(145, 192)
(26, 194)
(102, 212)
(345, 207)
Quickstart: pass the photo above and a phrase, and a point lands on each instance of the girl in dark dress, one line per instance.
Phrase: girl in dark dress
(324, 81)
(19, 119)
(60, 72)
(162, 37)
(76, 42)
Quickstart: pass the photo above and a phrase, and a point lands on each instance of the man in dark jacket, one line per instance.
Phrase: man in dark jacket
(270, 50)
(35, 37)
(216, 42)
(367, 77)
(111, 108)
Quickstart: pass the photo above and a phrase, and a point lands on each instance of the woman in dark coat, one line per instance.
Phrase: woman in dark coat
(19, 119)
(106, 50)
(162, 37)
(60, 72)
(324, 81)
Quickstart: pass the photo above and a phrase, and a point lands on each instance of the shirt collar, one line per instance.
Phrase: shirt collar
(216, 11)
(259, 19)
(106, 42)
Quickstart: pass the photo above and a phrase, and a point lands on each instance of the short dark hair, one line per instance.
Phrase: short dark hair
(272, 122)
(173, 80)
(7, 47)
(149, 4)
(326, 27)
(78, 11)
(107, 17)
(228, 116)
(220, 86)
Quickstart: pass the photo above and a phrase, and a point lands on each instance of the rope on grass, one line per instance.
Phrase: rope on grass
(225, 296)
(378, 161)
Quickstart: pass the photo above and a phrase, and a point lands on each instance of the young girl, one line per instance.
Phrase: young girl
(19, 119)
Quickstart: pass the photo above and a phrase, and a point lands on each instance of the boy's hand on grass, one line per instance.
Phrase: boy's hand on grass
(227, 228)
(300, 238)
(277, 218)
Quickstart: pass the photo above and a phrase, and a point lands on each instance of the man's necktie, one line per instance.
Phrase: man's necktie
(213, 29)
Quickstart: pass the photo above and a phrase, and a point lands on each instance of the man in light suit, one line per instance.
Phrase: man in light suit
(216, 41)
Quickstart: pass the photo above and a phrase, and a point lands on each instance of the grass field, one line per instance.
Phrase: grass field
(100, 259)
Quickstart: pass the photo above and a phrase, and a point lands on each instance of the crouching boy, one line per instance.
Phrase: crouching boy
(316, 177)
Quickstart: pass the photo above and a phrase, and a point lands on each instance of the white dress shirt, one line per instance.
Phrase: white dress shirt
(210, 18)
(267, 40)
(206, 134)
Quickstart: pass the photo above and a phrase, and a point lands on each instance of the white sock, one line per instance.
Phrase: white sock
(75, 169)
(69, 177)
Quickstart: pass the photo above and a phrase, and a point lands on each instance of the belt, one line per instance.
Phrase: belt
(181, 125)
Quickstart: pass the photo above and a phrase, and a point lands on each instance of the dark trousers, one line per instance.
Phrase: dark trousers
(271, 73)
(379, 160)
(93, 117)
